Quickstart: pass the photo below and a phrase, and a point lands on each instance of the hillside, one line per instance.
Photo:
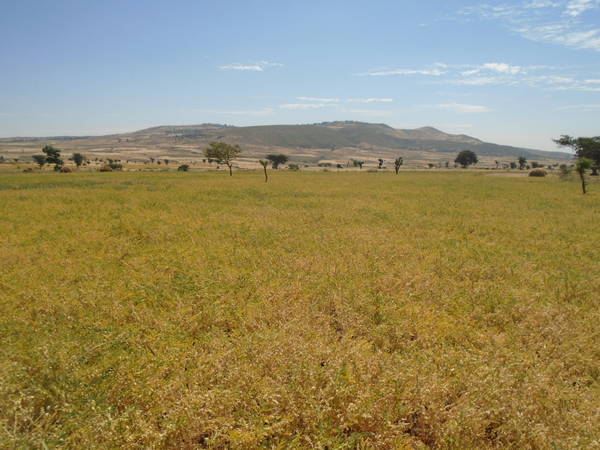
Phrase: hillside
(309, 143)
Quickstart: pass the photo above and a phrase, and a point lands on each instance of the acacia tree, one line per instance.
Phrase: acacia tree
(264, 163)
(584, 147)
(380, 163)
(465, 158)
(223, 153)
(78, 159)
(581, 166)
(53, 156)
(39, 160)
(397, 163)
(522, 162)
(277, 160)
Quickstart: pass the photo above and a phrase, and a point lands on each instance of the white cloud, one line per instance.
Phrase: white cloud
(253, 67)
(478, 81)
(462, 108)
(369, 112)
(502, 68)
(576, 7)
(593, 81)
(251, 112)
(539, 21)
(304, 105)
(319, 99)
(385, 73)
(370, 100)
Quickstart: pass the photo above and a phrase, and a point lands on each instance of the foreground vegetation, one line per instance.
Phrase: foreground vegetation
(191, 310)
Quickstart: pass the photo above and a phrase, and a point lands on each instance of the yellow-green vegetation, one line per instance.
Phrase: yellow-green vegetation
(339, 310)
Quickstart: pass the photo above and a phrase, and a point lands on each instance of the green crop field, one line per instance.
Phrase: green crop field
(319, 310)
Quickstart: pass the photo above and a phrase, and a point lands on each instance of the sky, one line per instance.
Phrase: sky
(515, 72)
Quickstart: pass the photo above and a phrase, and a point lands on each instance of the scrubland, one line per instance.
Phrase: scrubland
(319, 310)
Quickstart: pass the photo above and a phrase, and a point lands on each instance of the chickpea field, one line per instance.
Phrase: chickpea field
(318, 310)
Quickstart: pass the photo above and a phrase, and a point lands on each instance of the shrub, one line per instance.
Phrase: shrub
(115, 165)
(28, 170)
(183, 168)
(538, 173)
(294, 167)
(64, 169)
(106, 168)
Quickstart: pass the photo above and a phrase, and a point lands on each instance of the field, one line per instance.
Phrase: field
(319, 310)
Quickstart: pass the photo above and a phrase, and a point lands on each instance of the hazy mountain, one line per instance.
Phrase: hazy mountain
(310, 142)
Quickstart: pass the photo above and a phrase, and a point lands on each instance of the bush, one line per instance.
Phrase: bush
(28, 170)
(106, 168)
(183, 168)
(294, 167)
(64, 169)
(538, 173)
(115, 166)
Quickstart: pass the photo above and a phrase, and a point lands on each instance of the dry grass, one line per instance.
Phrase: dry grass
(358, 310)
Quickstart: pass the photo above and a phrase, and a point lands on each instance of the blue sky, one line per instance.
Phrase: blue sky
(517, 72)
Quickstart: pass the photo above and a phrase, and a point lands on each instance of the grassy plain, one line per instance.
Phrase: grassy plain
(338, 310)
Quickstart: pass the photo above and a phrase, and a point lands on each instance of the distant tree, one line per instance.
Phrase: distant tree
(380, 163)
(447, 164)
(430, 165)
(465, 158)
(78, 159)
(584, 147)
(183, 168)
(357, 163)
(513, 165)
(397, 163)
(581, 166)
(53, 156)
(39, 160)
(277, 160)
(497, 164)
(223, 153)
(535, 164)
(167, 162)
(293, 167)
(522, 162)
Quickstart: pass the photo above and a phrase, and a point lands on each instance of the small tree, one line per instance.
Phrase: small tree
(183, 168)
(380, 163)
(397, 163)
(513, 165)
(277, 160)
(223, 153)
(465, 158)
(40, 160)
(78, 159)
(264, 163)
(53, 156)
(522, 162)
(581, 166)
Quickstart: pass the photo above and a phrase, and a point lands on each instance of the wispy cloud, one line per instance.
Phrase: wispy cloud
(387, 73)
(245, 112)
(370, 100)
(319, 99)
(253, 67)
(463, 108)
(557, 22)
(297, 106)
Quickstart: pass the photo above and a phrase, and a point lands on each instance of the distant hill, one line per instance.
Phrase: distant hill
(310, 142)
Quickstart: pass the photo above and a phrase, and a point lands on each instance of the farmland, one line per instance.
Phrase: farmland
(340, 310)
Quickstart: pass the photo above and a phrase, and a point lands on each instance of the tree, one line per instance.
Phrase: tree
(397, 163)
(53, 156)
(223, 153)
(264, 163)
(522, 162)
(513, 165)
(78, 159)
(581, 166)
(380, 163)
(584, 147)
(278, 159)
(183, 168)
(465, 158)
(357, 163)
(39, 160)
